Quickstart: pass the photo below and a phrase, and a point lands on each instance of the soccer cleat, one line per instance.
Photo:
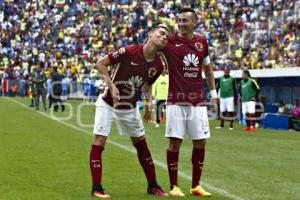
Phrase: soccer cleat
(176, 192)
(219, 127)
(155, 189)
(199, 191)
(252, 129)
(247, 129)
(230, 128)
(157, 125)
(101, 195)
(98, 192)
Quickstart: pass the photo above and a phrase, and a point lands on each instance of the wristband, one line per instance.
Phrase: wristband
(213, 94)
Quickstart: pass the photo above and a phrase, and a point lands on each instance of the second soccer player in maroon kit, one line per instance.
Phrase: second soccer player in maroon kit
(138, 65)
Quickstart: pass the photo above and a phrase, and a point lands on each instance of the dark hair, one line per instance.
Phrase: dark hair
(247, 72)
(164, 26)
(184, 10)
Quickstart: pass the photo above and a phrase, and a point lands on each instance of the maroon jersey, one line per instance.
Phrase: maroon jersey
(131, 73)
(185, 59)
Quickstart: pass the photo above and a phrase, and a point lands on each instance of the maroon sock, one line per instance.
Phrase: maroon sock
(96, 163)
(197, 161)
(253, 120)
(222, 119)
(231, 114)
(146, 161)
(172, 161)
(248, 121)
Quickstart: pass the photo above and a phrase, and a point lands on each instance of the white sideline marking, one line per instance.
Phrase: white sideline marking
(132, 150)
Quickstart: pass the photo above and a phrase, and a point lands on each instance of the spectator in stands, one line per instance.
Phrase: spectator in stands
(281, 107)
(296, 110)
(246, 34)
(295, 119)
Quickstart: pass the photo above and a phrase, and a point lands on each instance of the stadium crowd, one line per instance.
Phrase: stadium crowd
(72, 34)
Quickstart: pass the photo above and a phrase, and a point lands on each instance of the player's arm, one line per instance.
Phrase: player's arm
(209, 75)
(148, 95)
(234, 88)
(218, 85)
(257, 89)
(102, 65)
(240, 90)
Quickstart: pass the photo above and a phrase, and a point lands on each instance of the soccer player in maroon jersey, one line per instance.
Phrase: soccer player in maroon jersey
(187, 55)
(137, 65)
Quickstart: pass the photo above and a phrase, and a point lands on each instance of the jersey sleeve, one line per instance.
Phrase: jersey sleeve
(255, 86)
(118, 55)
(206, 59)
(234, 88)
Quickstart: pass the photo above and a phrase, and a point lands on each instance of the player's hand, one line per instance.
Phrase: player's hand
(214, 104)
(148, 113)
(115, 94)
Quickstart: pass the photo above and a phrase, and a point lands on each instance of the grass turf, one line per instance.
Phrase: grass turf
(41, 158)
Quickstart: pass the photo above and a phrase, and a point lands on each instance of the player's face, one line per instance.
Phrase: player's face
(226, 72)
(159, 37)
(186, 23)
(244, 75)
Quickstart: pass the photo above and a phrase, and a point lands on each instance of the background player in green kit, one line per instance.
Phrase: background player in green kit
(226, 86)
(249, 91)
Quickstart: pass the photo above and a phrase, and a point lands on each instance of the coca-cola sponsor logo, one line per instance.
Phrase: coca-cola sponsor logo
(191, 74)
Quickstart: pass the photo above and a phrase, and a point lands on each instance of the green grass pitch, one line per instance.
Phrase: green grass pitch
(43, 157)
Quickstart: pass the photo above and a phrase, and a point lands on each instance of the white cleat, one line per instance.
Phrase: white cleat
(219, 127)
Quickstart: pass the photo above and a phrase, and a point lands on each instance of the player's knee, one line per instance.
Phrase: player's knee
(175, 144)
(135, 140)
(199, 144)
(99, 140)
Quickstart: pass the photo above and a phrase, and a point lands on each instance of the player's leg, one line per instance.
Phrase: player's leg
(175, 130)
(43, 94)
(161, 106)
(147, 164)
(50, 100)
(251, 111)
(246, 115)
(157, 113)
(96, 165)
(37, 99)
(131, 123)
(230, 109)
(172, 160)
(222, 113)
(198, 131)
(102, 125)
(55, 101)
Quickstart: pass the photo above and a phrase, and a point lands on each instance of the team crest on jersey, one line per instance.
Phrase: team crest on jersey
(151, 72)
(199, 46)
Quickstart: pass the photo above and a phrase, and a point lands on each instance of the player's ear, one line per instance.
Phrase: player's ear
(150, 33)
